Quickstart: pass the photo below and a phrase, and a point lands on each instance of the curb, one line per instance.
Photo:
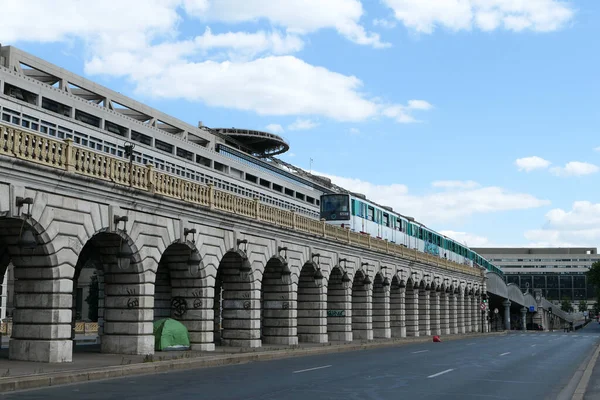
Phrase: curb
(585, 378)
(93, 374)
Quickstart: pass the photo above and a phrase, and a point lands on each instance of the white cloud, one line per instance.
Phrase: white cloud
(579, 226)
(254, 71)
(425, 16)
(467, 238)
(575, 168)
(452, 204)
(296, 16)
(597, 148)
(455, 184)
(384, 23)
(275, 128)
(403, 114)
(302, 125)
(528, 164)
(354, 131)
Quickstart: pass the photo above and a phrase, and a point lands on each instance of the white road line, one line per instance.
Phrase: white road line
(533, 345)
(503, 354)
(420, 351)
(441, 373)
(311, 369)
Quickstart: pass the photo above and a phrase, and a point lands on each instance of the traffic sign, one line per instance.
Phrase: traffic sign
(482, 306)
(532, 308)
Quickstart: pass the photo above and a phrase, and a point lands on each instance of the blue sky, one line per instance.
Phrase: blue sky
(424, 105)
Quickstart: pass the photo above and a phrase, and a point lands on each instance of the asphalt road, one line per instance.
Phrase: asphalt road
(516, 366)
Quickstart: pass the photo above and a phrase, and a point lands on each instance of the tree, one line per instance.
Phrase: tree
(593, 275)
(583, 305)
(92, 299)
(565, 305)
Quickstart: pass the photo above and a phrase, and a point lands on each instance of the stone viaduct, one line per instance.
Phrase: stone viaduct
(236, 272)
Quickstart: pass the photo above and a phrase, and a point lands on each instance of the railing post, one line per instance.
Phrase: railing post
(211, 196)
(387, 246)
(324, 233)
(348, 234)
(369, 239)
(16, 141)
(150, 182)
(294, 220)
(256, 208)
(69, 158)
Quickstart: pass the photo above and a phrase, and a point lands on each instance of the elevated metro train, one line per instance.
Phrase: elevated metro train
(364, 216)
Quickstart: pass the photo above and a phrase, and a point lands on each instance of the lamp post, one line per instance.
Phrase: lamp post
(318, 275)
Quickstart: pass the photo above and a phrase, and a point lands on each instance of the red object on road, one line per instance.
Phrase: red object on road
(436, 339)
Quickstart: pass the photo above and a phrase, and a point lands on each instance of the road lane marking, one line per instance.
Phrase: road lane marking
(503, 354)
(420, 351)
(441, 373)
(533, 345)
(311, 369)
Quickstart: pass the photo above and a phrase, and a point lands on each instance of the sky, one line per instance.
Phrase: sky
(479, 118)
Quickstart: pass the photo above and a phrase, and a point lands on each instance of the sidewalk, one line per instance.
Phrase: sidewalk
(89, 364)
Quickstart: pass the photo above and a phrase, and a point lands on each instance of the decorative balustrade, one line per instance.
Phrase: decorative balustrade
(64, 155)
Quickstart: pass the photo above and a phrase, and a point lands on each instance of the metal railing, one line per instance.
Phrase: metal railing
(62, 154)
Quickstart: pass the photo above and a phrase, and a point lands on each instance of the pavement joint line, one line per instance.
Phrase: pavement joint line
(420, 351)
(311, 369)
(504, 354)
(585, 378)
(441, 373)
(82, 375)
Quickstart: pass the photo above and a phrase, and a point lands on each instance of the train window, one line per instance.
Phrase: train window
(370, 213)
(386, 220)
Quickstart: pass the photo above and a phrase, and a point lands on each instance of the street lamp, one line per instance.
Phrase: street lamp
(245, 267)
(125, 253)
(386, 282)
(346, 281)
(286, 272)
(367, 280)
(318, 275)
(27, 238)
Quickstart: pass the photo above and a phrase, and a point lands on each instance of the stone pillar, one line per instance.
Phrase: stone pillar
(278, 309)
(424, 316)
(524, 318)
(476, 314)
(128, 316)
(468, 306)
(397, 311)
(312, 311)
(339, 313)
(42, 315)
(381, 313)
(506, 304)
(434, 311)
(411, 303)
(362, 312)
(454, 330)
(445, 313)
(460, 312)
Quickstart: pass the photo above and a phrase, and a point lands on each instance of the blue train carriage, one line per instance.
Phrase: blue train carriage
(355, 212)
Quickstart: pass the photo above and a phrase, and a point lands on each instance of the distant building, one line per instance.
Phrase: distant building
(559, 272)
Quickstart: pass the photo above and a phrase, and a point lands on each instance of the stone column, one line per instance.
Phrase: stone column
(453, 313)
(397, 312)
(381, 313)
(412, 311)
(424, 325)
(339, 313)
(476, 314)
(460, 312)
(506, 304)
(468, 306)
(42, 315)
(362, 312)
(434, 311)
(524, 318)
(445, 313)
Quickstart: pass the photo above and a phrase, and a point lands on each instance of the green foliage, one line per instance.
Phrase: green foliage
(583, 306)
(593, 275)
(565, 305)
(92, 299)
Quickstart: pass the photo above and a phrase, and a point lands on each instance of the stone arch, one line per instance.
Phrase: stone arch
(381, 307)
(411, 304)
(236, 306)
(181, 292)
(42, 290)
(435, 308)
(339, 312)
(362, 311)
(445, 317)
(424, 309)
(397, 313)
(312, 306)
(126, 293)
(278, 304)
